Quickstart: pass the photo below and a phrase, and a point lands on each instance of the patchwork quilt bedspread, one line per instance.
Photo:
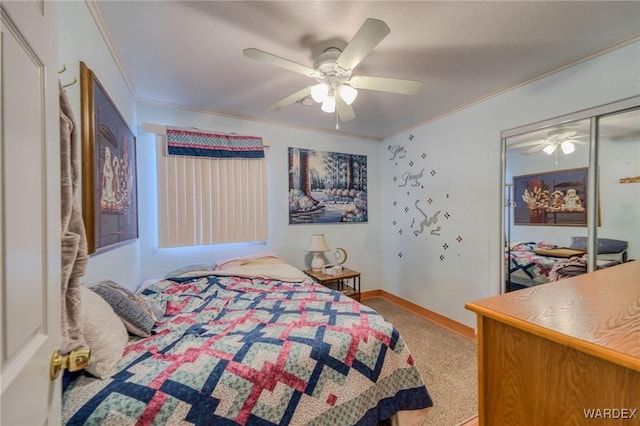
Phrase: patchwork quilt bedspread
(526, 267)
(254, 351)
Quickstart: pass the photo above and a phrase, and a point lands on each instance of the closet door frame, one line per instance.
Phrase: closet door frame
(593, 114)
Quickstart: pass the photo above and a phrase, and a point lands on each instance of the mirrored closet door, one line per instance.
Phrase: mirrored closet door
(571, 195)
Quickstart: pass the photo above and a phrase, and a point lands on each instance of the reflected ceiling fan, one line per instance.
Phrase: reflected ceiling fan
(336, 88)
(562, 138)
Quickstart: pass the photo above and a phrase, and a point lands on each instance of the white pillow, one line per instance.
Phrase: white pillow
(103, 331)
(239, 261)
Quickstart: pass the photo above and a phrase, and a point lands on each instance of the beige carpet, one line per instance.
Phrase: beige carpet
(446, 360)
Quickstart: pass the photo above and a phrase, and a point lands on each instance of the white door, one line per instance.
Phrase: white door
(29, 213)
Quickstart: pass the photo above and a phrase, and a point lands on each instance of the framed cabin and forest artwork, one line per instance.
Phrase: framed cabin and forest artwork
(327, 187)
(109, 193)
(551, 198)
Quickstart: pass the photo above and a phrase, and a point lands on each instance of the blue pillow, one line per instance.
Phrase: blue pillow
(134, 310)
(605, 245)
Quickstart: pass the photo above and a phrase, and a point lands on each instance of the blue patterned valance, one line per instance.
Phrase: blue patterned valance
(200, 143)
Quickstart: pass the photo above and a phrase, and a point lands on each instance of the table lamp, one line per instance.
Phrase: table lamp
(318, 247)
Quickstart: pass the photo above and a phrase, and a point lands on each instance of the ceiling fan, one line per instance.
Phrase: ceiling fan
(336, 88)
(562, 137)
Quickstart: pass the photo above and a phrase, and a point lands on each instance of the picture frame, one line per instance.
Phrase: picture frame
(557, 198)
(327, 187)
(109, 175)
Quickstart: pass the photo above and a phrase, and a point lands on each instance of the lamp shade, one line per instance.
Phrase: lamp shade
(348, 94)
(568, 147)
(318, 243)
(329, 104)
(319, 92)
(549, 149)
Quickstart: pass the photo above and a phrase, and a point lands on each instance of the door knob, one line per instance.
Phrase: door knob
(75, 360)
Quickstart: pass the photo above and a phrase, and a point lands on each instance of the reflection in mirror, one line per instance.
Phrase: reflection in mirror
(546, 191)
(619, 187)
(547, 194)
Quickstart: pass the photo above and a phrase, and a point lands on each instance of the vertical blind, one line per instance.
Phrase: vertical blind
(204, 200)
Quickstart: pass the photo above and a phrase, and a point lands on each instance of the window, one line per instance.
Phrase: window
(204, 200)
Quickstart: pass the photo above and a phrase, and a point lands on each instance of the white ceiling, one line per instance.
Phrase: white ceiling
(190, 53)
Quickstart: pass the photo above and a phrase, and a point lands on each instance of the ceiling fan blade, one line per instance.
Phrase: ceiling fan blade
(535, 149)
(368, 36)
(345, 112)
(291, 99)
(261, 55)
(542, 142)
(629, 136)
(526, 143)
(393, 85)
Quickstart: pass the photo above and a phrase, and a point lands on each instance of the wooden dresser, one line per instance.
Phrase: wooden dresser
(562, 353)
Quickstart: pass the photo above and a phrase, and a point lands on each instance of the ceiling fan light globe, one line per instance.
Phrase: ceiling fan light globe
(329, 104)
(568, 147)
(319, 92)
(348, 94)
(549, 149)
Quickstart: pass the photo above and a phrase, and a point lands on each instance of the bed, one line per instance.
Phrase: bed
(533, 263)
(525, 268)
(239, 345)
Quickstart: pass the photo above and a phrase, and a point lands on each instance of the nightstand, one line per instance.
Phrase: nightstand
(347, 282)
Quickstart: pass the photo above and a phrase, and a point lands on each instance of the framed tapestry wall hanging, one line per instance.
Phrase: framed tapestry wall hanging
(109, 193)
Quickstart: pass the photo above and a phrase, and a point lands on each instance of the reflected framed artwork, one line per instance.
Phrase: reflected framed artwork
(551, 198)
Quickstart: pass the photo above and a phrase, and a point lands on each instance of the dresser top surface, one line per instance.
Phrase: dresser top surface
(601, 308)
